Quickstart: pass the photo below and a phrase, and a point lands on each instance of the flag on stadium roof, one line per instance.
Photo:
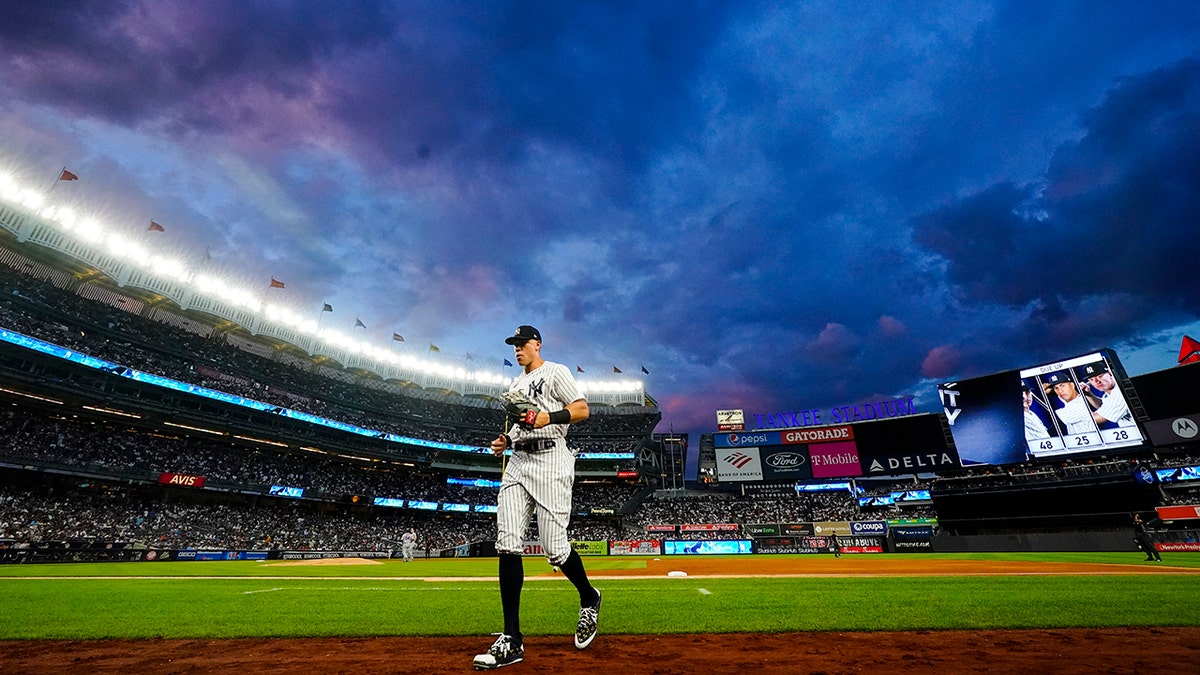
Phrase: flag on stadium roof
(155, 227)
(434, 348)
(578, 369)
(645, 371)
(275, 283)
(396, 337)
(616, 369)
(67, 175)
(327, 308)
(508, 363)
(358, 323)
(1189, 351)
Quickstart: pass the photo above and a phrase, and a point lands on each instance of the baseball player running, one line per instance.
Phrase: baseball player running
(538, 479)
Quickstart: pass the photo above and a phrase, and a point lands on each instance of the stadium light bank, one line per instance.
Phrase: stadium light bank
(102, 238)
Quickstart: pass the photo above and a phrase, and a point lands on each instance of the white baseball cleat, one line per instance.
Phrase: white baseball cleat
(589, 623)
(503, 652)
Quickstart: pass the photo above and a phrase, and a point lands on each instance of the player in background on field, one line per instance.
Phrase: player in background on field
(407, 543)
(1145, 541)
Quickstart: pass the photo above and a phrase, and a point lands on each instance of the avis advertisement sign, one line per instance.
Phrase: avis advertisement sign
(181, 479)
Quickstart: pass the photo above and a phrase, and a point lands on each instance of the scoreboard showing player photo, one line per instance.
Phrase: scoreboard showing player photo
(1071, 406)
(1080, 405)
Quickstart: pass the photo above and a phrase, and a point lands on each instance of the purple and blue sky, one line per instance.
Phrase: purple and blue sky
(768, 205)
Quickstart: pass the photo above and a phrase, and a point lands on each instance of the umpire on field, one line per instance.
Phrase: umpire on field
(543, 401)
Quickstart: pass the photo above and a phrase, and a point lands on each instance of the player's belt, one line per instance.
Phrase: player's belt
(539, 445)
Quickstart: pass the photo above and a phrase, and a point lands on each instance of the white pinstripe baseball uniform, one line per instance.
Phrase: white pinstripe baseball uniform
(541, 473)
(1076, 416)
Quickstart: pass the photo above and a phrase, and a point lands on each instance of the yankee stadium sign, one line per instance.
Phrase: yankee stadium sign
(791, 419)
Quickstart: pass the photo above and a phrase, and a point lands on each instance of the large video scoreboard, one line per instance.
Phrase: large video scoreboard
(1067, 407)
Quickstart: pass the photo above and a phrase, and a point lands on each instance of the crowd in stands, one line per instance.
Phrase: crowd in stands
(30, 516)
(1185, 495)
(142, 512)
(615, 510)
(139, 457)
(1030, 472)
(127, 452)
(40, 309)
(724, 509)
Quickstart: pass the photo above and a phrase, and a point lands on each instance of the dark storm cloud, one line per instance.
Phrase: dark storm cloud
(1125, 193)
(777, 205)
(1110, 228)
(130, 62)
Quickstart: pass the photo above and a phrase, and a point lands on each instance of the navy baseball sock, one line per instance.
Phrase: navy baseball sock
(572, 568)
(512, 577)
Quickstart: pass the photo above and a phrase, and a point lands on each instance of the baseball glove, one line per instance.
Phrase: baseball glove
(519, 408)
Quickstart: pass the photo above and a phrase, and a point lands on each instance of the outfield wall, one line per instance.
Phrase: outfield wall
(1039, 543)
(901, 539)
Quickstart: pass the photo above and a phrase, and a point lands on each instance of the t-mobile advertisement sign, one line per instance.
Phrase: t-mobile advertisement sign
(834, 460)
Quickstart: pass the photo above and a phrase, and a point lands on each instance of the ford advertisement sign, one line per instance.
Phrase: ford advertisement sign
(785, 463)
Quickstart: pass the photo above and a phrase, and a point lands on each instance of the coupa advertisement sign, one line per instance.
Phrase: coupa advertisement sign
(869, 527)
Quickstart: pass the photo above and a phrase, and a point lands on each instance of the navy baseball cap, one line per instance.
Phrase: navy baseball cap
(1092, 370)
(1059, 377)
(523, 334)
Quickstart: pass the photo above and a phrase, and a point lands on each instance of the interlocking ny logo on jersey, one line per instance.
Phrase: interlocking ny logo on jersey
(739, 460)
(536, 389)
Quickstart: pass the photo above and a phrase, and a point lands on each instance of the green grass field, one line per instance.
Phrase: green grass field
(254, 599)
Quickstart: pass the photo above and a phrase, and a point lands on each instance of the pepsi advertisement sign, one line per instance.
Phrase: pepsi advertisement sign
(742, 440)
